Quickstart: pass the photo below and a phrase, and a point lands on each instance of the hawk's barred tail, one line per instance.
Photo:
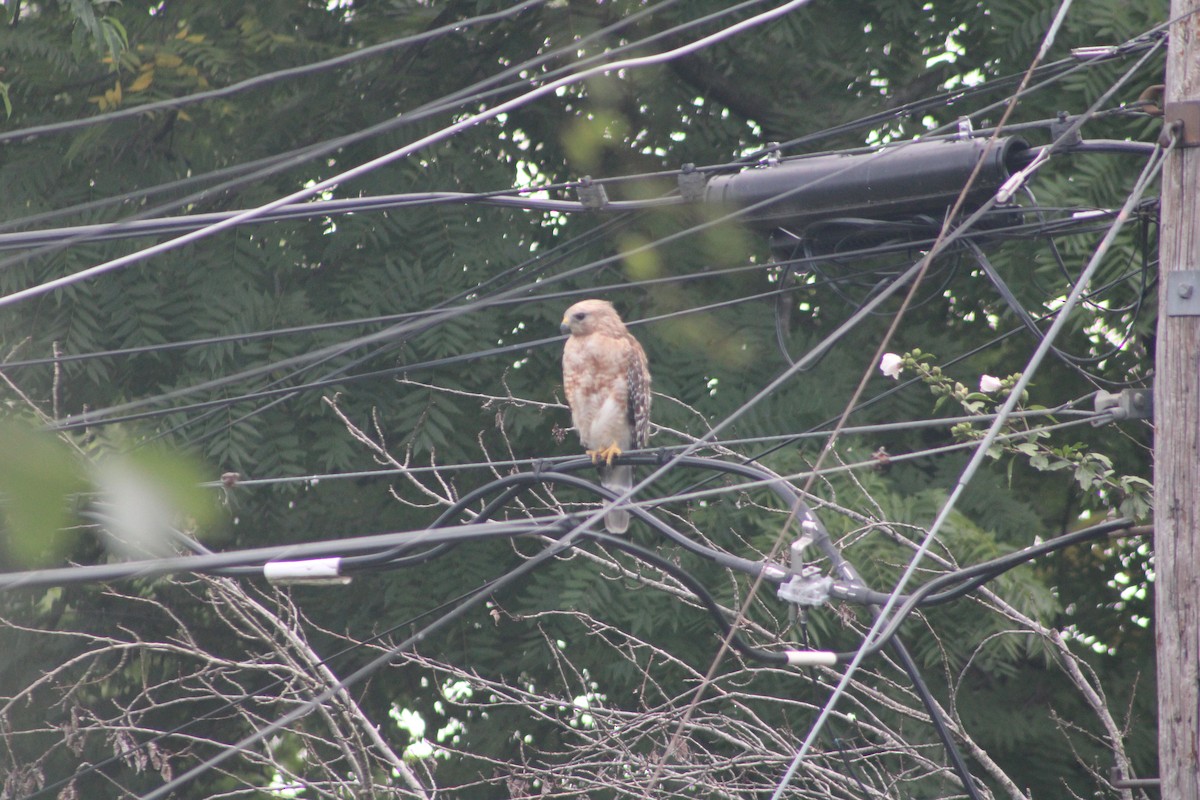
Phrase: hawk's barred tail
(618, 479)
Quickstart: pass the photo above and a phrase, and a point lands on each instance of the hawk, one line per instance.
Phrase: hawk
(607, 383)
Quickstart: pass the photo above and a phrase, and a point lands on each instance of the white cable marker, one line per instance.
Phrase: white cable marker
(811, 658)
(310, 571)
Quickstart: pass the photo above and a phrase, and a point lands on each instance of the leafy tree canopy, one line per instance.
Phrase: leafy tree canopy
(413, 340)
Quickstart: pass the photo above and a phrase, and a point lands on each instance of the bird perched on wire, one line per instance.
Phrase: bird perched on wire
(607, 383)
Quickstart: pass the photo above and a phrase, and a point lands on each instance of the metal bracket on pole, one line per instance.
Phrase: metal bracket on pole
(1183, 293)
(1125, 405)
(1185, 114)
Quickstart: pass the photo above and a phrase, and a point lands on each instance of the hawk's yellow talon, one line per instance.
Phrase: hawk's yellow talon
(607, 454)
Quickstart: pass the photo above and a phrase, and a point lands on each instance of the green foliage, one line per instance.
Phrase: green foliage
(829, 64)
(37, 489)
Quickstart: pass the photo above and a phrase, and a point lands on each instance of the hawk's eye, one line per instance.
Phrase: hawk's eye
(579, 315)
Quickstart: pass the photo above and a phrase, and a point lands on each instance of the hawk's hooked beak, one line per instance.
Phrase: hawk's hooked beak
(564, 327)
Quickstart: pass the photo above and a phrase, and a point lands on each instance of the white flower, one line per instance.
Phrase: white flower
(989, 384)
(891, 365)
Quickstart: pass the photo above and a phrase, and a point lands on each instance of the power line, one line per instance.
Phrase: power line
(399, 153)
(973, 465)
(1065, 409)
(160, 226)
(138, 227)
(1024, 230)
(92, 417)
(266, 79)
(478, 92)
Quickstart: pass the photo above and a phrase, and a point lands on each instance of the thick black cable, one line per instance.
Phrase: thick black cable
(953, 585)
(507, 487)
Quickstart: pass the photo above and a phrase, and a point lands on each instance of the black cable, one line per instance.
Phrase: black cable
(1010, 299)
(940, 725)
(507, 487)
(265, 79)
(164, 226)
(367, 669)
(953, 585)
(958, 231)
(703, 274)
(263, 168)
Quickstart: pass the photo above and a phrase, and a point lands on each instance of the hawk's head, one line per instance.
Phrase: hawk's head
(590, 316)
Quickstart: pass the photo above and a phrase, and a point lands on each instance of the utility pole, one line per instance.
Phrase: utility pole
(1177, 421)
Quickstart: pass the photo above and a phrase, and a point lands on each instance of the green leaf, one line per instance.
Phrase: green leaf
(38, 477)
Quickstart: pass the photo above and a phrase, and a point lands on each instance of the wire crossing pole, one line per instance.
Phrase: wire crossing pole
(1177, 421)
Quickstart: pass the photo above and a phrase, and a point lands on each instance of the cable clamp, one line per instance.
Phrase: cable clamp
(771, 159)
(591, 195)
(797, 551)
(1125, 404)
(311, 572)
(809, 588)
(1061, 127)
(692, 184)
(1018, 178)
(965, 128)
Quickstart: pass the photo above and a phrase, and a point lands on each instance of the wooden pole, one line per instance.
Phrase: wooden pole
(1177, 426)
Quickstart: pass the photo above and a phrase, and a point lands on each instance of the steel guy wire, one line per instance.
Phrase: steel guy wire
(973, 465)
